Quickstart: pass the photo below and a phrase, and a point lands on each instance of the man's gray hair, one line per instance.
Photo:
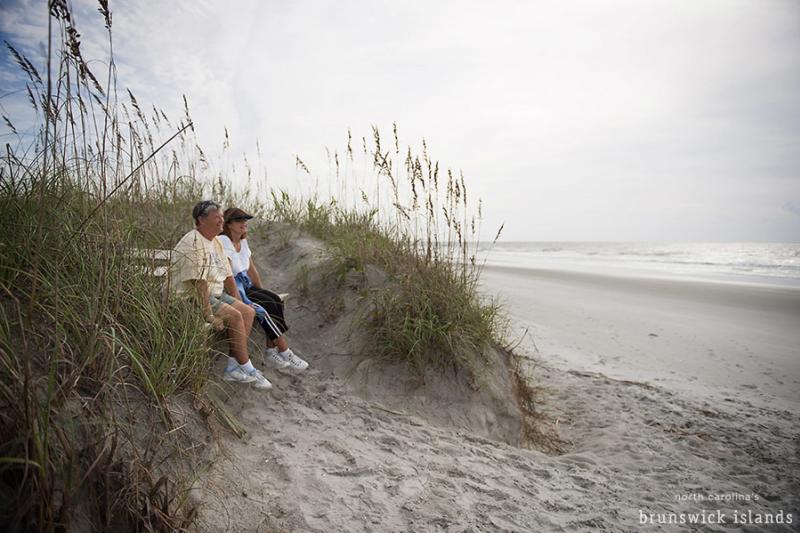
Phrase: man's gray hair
(203, 208)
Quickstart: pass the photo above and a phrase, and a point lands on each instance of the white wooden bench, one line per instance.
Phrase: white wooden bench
(156, 263)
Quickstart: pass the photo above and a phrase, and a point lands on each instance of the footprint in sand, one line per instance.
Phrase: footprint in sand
(545, 474)
(583, 482)
(339, 452)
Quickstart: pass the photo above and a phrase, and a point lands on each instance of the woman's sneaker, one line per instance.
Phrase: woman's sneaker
(273, 359)
(259, 381)
(237, 375)
(295, 363)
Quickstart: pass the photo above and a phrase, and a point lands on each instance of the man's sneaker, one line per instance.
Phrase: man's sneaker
(273, 359)
(237, 374)
(260, 382)
(295, 363)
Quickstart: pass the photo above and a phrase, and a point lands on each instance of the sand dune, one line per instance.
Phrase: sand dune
(322, 454)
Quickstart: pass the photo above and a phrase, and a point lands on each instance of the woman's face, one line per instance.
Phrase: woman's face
(238, 227)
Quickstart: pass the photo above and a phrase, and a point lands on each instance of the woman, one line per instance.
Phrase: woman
(268, 305)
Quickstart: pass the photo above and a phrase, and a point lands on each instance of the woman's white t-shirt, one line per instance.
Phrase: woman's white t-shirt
(240, 261)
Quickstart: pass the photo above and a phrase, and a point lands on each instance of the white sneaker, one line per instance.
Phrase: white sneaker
(238, 375)
(273, 359)
(295, 363)
(260, 382)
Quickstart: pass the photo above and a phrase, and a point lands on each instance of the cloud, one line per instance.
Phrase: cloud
(658, 119)
(792, 208)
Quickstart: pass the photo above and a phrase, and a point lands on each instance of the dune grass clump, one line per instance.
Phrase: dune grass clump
(83, 332)
(432, 319)
(91, 352)
(418, 230)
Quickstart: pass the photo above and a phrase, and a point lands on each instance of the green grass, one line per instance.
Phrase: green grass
(86, 338)
(80, 323)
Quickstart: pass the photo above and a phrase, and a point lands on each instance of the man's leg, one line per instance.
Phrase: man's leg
(238, 318)
(248, 315)
(236, 324)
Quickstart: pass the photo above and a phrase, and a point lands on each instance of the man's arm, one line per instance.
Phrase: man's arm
(231, 288)
(201, 286)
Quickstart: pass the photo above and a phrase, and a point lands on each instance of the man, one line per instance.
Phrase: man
(201, 269)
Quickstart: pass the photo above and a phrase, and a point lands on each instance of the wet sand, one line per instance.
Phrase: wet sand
(708, 339)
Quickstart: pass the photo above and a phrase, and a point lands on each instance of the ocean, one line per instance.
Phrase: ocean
(738, 262)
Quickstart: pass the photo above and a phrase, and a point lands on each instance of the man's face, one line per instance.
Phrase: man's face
(211, 223)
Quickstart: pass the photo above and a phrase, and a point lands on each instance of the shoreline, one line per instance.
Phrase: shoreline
(642, 275)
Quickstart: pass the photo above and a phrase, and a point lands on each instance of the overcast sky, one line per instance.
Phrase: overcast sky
(573, 120)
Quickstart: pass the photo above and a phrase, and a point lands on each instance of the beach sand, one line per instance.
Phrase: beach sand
(707, 339)
(638, 435)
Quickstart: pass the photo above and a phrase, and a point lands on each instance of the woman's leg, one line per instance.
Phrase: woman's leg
(274, 326)
(273, 321)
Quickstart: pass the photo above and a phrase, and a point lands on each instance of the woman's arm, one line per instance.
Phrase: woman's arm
(255, 277)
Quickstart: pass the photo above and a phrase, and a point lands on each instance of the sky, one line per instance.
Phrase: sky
(621, 120)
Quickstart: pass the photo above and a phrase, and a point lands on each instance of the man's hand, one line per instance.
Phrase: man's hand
(216, 322)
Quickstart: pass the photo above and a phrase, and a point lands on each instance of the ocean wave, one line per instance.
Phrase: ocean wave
(650, 253)
(739, 259)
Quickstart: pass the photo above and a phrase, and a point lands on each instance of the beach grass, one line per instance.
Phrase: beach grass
(419, 229)
(87, 338)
